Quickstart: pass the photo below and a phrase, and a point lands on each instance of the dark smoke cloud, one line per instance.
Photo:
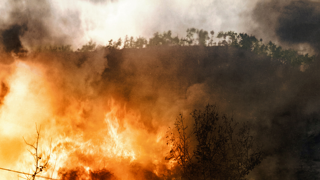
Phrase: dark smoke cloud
(32, 15)
(290, 22)
(11, 38)
(35, 23)
(299, 22)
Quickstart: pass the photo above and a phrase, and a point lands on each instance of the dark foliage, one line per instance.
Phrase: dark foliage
(222, 150)
(196, 37)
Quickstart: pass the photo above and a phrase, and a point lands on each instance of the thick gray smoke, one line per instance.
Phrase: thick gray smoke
(35, 23)
(290, 22)
(11, 38)
(300, 23)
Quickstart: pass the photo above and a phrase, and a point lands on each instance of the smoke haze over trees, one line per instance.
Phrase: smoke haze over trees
(276, 98)
(90, 98)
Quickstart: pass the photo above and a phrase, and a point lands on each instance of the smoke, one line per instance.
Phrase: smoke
(11, 38)
(155, 84)
(76, 22)
(107, 111)
(292, 23)
(34, 23)
(299, 23)
(110, 109)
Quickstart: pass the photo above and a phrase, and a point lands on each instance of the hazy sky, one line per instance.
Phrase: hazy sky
(101, 21)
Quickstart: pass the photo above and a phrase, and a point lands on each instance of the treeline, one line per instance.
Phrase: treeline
(196, 37)
(249, 42)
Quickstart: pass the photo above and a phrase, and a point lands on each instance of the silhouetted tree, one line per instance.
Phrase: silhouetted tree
(141, 42)
(117, 44)
(246, 41)
(156, 40)
(164, 39)
(52, 48)
(41, 159)
(190, 39)
(223, 35)
(222, 150)
(126, 42)
(90, 46)
(260, 49)
(211, 43)
(196, 37)
(233, 39)
(181, 151)
(203, 37)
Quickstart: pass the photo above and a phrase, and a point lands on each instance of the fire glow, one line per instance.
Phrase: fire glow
(73, 135)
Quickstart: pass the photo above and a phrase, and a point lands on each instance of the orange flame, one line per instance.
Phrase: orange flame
(119, 141)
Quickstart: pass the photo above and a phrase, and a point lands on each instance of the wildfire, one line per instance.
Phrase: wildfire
(119, 146)
(89, 132)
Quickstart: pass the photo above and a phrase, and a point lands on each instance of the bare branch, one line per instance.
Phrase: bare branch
(40, 163)
(31, 145)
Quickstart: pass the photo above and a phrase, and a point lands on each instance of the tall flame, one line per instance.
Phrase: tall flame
(77, 128)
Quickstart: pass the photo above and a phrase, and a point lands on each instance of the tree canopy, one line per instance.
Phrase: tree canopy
(199, 37)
